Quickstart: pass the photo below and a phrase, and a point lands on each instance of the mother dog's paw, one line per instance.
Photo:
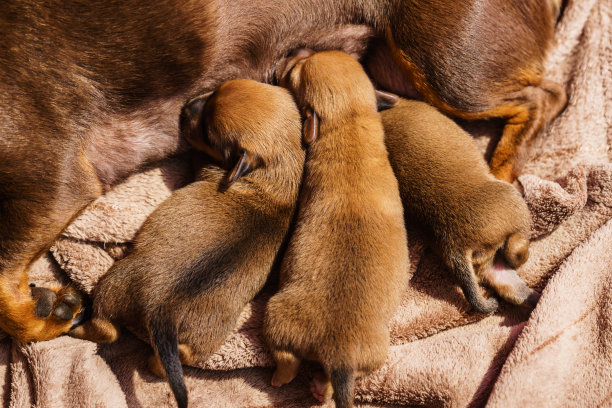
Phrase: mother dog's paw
(63, 304)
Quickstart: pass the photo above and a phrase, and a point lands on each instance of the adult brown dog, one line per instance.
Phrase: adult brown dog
(466, 214)
(93, 90)
(208, 249)
(346, 265)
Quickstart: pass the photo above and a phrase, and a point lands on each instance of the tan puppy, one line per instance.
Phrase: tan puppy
(347, 262)
(467, 214)
(208, 249)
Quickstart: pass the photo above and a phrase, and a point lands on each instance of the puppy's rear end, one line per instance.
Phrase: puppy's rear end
(449, 193)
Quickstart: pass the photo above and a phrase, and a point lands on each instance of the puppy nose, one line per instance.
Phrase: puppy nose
(290, 61)
(301, 53)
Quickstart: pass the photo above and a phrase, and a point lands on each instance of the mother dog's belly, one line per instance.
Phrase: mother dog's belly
(121, 143)
(118, 143)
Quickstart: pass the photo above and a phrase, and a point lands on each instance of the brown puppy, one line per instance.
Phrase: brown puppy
(208, 249)
(347, 262)
(467, 215)
(95, 89)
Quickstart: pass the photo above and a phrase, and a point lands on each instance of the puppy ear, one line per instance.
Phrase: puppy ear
(191, 121)
(246, 163)
(385, 100)
(311, 126)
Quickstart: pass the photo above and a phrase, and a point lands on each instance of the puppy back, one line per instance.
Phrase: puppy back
(445, 184)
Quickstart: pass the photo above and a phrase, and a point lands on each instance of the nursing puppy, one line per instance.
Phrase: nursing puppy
(467, 215)
(208, 249)
(347, 262)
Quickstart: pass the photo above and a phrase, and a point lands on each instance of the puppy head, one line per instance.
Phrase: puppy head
(244, 125)
(331, 84)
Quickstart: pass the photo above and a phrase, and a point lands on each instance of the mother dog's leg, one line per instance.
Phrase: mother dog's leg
(480, 59)
(41, 190)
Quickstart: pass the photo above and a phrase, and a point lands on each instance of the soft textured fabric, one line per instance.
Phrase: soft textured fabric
(442, 353)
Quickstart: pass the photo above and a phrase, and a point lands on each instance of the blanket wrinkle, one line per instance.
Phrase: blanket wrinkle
(442, 353)
(564, 354)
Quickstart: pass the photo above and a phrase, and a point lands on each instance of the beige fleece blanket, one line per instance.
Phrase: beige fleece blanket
(442, 354)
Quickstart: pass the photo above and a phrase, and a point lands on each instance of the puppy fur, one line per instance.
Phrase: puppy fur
(95, 90)
(450, 194)
(347, 262)
(208, 249)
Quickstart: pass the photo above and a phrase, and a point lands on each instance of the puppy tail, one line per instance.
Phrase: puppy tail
(462, 267)
(164, 335)
(516, 250)
(343, 383)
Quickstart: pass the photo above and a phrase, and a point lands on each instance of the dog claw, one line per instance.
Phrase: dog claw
(63, 312)
(44, 301)
(72, 300)
(81, 317)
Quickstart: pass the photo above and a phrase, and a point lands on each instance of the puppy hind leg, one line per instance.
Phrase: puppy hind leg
(321, 387)
(505, 281)
(155, 364)
(287, 365)
(97, 330)
(462, 267)
(35, 205)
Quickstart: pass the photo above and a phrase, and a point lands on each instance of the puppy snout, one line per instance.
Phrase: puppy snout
(301, 53)
(292, 59)
(516, 250)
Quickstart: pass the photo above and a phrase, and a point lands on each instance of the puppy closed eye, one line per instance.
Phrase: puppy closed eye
(245, 163)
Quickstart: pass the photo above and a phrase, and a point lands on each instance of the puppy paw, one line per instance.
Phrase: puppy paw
(506, 282)
(321, 387)
(287, 365)
(503, 171)
(486, 306)
(155, 366)
(278, 380)
(98, 330)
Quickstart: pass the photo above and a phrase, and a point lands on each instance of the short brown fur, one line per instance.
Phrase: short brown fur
(347, 262)
(449, 193)
(208, 249)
